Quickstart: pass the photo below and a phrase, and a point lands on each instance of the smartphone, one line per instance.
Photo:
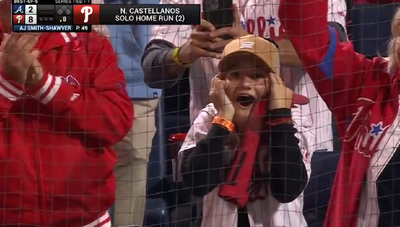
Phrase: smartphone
(219, 13)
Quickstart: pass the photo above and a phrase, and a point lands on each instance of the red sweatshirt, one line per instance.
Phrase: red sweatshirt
(56, 160)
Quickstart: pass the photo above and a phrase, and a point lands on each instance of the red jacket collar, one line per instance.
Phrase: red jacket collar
(49, 41)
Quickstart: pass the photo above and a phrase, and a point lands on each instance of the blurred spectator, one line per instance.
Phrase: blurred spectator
(267, 143)
(370, 25)
(162, 69)
(60, 117)
(133, 152)
(364, 97)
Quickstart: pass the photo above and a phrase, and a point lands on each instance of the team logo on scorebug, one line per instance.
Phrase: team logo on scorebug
(18, 19)
(18, 9)
(86, 11)
(86, 14)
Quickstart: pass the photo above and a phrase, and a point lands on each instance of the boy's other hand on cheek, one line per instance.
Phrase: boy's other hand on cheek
(219, 98)
(281, 96)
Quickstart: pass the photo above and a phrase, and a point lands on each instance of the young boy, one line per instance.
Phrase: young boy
(242, 154)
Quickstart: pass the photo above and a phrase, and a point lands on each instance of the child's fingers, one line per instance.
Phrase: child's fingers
(272, 79)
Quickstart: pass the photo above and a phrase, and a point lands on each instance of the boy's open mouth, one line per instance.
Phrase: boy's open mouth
(245, 100)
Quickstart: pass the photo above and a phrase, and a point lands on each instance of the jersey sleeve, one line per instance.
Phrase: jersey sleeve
(174, 34)
(100, 110)
(337, 12)
(10, 91)
(199, 128)
(336, 69)
(198, 131)
(305, 134)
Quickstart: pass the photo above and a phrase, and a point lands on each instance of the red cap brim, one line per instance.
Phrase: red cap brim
(299, 100)
(260, 108)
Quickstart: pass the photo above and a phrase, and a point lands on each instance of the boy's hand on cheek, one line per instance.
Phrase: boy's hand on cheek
(219, 98)
(280, 95)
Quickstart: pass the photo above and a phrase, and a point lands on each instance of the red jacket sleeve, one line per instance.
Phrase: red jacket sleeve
(335, 68)
(10, 91)
(102, 110)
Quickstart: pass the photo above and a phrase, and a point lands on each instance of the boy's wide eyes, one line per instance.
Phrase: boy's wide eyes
(234, 74)
(259, 75)
(253, 75)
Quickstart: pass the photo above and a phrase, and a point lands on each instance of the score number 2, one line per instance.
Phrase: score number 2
(30, 9)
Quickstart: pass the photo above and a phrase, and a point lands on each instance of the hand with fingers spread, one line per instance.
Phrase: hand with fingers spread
(280, 95)
(235, 31)
(18, 61)
(219, 98)
(199, 44)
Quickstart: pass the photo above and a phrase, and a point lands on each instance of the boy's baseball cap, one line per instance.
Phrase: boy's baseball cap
(264, 53)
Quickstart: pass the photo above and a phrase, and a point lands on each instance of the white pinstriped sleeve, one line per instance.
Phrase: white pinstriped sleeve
(175, 34)
(197, 132)
(337, 11)
(9, 90)
(305, 135)
(200, 127)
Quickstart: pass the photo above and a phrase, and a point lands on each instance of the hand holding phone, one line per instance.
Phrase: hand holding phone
(235, 31)
(218, 12)
(199, 44)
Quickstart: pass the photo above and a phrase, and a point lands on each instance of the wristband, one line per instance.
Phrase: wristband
(278, 121)
(224, 123)
(176, 59)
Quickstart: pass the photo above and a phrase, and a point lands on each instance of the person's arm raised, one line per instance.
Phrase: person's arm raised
(172, 50)
(335, 68)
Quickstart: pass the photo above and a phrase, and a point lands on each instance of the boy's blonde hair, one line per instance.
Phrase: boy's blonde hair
(101, 29)
(392, 58)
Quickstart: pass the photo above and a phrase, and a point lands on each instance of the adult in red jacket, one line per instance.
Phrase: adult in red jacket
(363, 95)
(62, 106)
